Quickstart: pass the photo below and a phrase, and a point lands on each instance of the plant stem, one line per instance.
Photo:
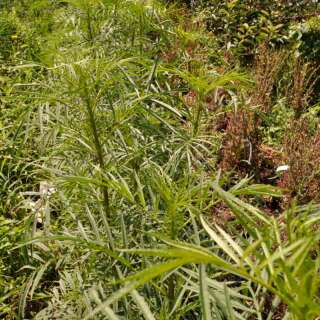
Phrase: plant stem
(98, 148)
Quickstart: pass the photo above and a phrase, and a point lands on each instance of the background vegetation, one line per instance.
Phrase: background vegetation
(159, 160)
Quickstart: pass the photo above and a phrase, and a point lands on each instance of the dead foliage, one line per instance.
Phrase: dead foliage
(221, 214)
(302, 155)
(301, 89)
(239, 146)
(265, 71)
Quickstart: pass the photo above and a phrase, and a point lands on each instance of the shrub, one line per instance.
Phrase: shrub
(302, 155)
(240, 143)
(301, 90)
(242, 25)
(310, 39)
(265, 72)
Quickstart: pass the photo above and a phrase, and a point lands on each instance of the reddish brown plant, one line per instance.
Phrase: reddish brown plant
(301, 89)
(265, 71)
(302, 155)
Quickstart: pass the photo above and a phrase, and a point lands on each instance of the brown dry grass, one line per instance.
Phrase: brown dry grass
(265, 73)
(302, 155)
(301, 89)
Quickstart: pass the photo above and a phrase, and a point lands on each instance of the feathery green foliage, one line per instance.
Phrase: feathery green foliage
(115, 117)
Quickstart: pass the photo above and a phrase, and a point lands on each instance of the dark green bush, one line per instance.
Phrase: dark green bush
(310, 40)
(242, 25)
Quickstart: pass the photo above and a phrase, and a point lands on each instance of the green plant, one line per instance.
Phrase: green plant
(310, 37)
(112, 205)
(275, 257)
(246, 24)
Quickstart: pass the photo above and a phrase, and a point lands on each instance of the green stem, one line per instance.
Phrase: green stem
(89, 26)
(198, 117)
(171, 291)
(98, 147)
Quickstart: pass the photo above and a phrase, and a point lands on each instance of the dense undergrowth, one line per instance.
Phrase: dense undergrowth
(159, 161)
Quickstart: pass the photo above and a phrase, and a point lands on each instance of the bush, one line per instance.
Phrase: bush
(302, 155)
(242, 25)
(310, 40)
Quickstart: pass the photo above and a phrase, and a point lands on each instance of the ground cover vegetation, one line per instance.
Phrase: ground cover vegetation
(159, 160)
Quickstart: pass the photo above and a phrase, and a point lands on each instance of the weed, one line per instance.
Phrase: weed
(265, 71)
(301, 91)
(301, 154)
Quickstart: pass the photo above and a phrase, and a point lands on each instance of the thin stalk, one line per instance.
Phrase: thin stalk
(99, 153)
(89, 25)
(204, 297)
(198, 116)
(98, 148)
(171, 291)
(172, 277)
